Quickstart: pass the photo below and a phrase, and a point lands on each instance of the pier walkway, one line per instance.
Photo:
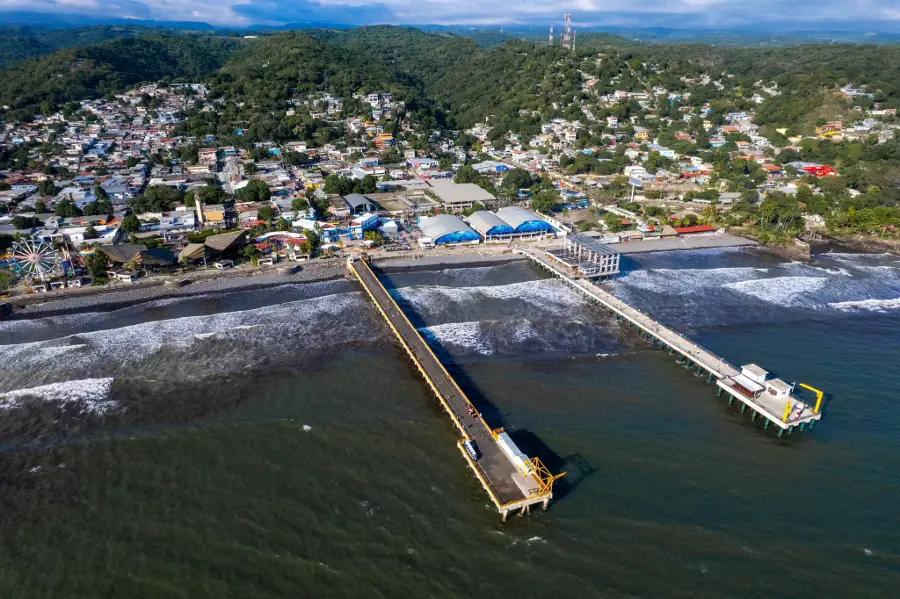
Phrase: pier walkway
(511, 485)
(772, 399)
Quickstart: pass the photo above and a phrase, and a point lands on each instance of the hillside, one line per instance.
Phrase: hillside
(19, 43)
(111, 66)
(448, 79)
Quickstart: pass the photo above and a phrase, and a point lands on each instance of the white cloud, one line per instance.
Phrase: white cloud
(798, 14)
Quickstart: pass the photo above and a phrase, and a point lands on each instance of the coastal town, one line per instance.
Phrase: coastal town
(115, 189)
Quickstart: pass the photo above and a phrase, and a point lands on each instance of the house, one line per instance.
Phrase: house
(357, 203)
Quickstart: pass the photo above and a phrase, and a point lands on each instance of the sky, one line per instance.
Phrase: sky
(856, 15)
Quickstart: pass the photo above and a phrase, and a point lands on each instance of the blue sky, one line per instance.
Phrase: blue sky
(881, 15)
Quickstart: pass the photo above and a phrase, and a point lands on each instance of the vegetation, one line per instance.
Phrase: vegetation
(156, 198)
(41, 85)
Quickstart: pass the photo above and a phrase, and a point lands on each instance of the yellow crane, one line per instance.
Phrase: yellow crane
(819, 396)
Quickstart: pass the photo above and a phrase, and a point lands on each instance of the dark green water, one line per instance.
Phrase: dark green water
(278, 444)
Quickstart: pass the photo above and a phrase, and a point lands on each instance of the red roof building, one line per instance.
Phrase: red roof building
(695, 229)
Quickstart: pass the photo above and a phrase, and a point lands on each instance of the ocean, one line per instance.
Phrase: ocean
(278, 443)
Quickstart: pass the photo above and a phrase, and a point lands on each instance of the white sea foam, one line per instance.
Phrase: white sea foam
(853, 257)
(783, 291)
(127, 345)
(92, 394)
(685, 281)
(549, 294)
(467, 335)
(870, 305)
(831, 271)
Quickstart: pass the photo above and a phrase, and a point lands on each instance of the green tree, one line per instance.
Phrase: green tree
(157, 198)
(544, 201)
(368, 184)
(91, 233)
(516, 179)
(210, 194)
(255, 191)
(26, 222)
(375, 237)
(97, 265)
(40, 207)
(266, 213)
(299, 205)
(47, 188)
(312, 240)
(66, 208)
(131, 224)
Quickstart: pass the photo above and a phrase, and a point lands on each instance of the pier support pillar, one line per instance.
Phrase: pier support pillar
(546, 503)
(780, 432)
(718, 391)
(767, 424)
(730, 399)
(743, 407)
(753, 417)
(811, 423)
(802, 426)
(505, 514)
(709, 379)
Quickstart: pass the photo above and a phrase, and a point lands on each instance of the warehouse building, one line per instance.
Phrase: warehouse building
(457, 197)
(446, 229)
(524, 222)
(491, 227)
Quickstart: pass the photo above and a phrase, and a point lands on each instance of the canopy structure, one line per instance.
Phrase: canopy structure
(448, 229)
(489, 225)
(191, 252)
(524, 221)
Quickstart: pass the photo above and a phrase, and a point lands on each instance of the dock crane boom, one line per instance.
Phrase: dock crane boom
(819, 396)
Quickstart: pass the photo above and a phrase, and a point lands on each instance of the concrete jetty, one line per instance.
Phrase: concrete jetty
(513, 481)
(770, 398)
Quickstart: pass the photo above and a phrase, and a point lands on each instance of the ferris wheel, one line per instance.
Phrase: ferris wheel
(35, 259)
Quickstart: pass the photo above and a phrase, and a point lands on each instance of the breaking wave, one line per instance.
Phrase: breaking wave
(871, 305)
(549, 295)
(92, 395)
(686, 281)
(783, 291)
(550, 338)
(191, 346)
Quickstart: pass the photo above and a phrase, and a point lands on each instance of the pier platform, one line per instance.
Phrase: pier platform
(772, 399)
(513, 482)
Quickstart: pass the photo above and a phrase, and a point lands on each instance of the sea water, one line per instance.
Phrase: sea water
(278, 443)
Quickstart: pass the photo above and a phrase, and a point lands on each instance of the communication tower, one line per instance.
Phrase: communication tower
(551, 35)
(567, 33)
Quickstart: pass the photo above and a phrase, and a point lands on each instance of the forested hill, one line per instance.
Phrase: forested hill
(451, 80)
(19, 43)
(93, 71)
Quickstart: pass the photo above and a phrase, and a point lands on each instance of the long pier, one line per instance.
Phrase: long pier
(513, 481)
(772, 399)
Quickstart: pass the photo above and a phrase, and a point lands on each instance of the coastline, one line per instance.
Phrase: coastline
(108, 298)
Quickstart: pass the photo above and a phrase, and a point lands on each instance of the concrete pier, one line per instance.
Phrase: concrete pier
(773, 399)
(513, 482)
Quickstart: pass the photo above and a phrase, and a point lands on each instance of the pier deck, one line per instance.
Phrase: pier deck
(509, 487)
(785, 413)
